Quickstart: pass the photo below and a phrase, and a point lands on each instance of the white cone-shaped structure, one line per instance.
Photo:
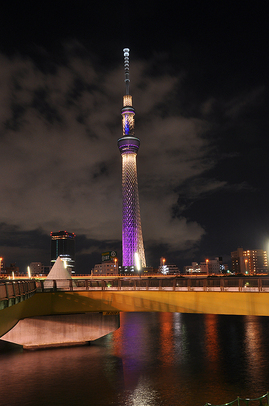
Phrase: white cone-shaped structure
(59, 273)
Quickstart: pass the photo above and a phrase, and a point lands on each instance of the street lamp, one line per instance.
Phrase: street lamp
(115, 261)
(163, 265)
(137, 263)
(207, 261)
(246, 266)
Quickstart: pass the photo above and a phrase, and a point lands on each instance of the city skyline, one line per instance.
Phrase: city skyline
(200, 89)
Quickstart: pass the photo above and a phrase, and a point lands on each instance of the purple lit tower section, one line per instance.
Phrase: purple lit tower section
(133, 253)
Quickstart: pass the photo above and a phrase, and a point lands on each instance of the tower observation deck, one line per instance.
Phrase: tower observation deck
(133, 253)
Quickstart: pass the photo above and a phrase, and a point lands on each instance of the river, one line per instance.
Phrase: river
(153, 359)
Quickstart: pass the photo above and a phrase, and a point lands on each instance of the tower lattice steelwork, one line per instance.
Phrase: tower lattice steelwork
(133, 253)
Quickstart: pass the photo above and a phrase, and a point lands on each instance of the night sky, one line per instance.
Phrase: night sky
(199, 81)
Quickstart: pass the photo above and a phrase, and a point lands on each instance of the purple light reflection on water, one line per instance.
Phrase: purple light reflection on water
(154, 359)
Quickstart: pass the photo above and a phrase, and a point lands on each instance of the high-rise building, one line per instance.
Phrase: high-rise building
(63, 245)
(133, 253)
(237, 257)
(250, 262)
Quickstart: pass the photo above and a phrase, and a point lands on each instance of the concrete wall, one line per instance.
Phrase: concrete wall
(67, 329)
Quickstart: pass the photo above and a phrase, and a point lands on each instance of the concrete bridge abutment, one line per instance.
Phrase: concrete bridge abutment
(61, 330)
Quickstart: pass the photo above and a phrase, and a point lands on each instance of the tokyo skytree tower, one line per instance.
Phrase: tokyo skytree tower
(133, 253)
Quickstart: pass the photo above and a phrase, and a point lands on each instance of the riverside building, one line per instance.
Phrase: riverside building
(208, 267)
(109, 265)
(249, 262)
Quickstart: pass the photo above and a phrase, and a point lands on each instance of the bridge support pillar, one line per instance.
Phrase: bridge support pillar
(59, 330)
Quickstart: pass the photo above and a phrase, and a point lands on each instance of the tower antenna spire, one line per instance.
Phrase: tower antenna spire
(126, 52)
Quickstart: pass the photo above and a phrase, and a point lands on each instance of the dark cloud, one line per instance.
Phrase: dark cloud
(65, 178)
(15, 121)
(44, 107)
(198, 81)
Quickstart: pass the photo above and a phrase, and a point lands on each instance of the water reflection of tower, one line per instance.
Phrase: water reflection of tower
(132, 240)
(63, 245)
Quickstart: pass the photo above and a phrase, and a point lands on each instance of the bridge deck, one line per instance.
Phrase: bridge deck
(242, 299)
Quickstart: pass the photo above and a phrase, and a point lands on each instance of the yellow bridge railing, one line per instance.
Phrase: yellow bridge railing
(13, 292)
(246, 284)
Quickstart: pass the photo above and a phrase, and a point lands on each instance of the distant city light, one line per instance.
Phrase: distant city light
(164, 269)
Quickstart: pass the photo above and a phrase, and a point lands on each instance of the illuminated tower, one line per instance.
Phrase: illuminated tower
(133, 253)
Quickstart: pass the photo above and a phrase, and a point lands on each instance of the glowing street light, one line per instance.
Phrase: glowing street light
(163, 260)
(29, 272)
(116, 265)
(207, 261)
(246, 266)
(164, 269)
(137, 262)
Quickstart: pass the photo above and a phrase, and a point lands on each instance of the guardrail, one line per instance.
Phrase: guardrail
(246, 402)
(220, 284)
(13, 292)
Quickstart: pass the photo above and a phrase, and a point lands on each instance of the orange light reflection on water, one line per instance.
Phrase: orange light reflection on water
(166, 338)
(254, 351)
(211, 338)
(213, 356)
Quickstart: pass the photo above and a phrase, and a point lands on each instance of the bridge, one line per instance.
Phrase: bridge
(79, 310)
